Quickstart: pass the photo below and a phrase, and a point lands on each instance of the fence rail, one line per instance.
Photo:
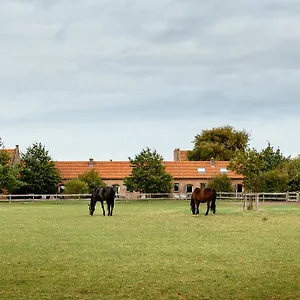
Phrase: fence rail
(221, 196)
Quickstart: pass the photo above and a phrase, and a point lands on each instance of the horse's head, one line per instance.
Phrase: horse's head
(91, 209)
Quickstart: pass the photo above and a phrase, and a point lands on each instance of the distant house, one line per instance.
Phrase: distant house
(14, 154)
(187, 174)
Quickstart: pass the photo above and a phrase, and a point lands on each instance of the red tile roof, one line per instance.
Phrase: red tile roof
(10, 151)
(121, 169)
(106, 169)
(189, 169)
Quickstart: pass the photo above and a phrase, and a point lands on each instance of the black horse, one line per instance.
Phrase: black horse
(202, 196)
(102, 194)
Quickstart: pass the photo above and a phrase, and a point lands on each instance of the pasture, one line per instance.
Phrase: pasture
(149, 250)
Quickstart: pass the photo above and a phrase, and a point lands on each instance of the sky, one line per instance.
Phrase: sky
(108, 78)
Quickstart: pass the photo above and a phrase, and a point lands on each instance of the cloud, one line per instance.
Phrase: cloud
(152, 72)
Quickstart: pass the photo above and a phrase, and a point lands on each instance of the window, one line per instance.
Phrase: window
(223, 170)
(201, 170)
(176, 187)
(239, 188)
(189, 188)
(202, 185)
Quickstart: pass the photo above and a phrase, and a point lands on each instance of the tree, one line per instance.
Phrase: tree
(221, 143)
(221, 183)
(9, 175)
(292, 169)
(76, 186)
(92, 179)
(38, 171)
(252, 164)
(148, 173)
(272, 181)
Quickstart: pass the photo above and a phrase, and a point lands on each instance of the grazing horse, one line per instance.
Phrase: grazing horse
(102, 194)
(201, 196)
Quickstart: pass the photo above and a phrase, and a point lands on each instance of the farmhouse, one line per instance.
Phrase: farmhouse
(186, 174)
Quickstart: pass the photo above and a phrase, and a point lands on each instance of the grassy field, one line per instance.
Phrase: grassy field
(149, 250)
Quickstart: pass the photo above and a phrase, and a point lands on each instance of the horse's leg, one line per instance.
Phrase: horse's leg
(208, 207)
(112, 204)
(91, 208)
(103, 210)
(109, 208)
(197, 207)
(192, 204)
(213, 206)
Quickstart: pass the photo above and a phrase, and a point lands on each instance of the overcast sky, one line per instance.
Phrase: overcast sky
(107, 78)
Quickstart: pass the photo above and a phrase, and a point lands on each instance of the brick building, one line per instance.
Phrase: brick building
(186, 174)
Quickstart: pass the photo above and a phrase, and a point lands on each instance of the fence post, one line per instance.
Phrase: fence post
(256, 201)
(287, 196)
(9, 198)
(245, 201)
(297, 197)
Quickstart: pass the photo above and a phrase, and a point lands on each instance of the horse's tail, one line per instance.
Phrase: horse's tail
(213, 202)
(192, 201)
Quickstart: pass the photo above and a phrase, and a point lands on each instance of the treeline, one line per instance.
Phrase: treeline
(267, 170)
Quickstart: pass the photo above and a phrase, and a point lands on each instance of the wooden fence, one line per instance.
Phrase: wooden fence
(221, 196)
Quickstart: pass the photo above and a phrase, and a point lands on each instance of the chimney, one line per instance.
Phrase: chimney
(177, 154)
(212, 162)
(91, 162)
(16, 158)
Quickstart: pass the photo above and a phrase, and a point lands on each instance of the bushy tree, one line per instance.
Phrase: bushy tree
(76, 186)
(271, 182)
(221, 143)
(92, 179)
(292, 169)
(9, 174)
(221, 183)
(38, 171)
(148, 173)
(253, 164)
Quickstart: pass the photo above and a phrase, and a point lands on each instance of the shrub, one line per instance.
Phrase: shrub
(76, 186)
(222, 183)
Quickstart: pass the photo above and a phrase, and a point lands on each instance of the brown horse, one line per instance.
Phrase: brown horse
(202, 196)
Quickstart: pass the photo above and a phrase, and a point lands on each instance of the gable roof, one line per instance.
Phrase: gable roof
(121, 169)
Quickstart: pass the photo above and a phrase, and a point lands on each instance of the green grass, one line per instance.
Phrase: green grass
(149, 250)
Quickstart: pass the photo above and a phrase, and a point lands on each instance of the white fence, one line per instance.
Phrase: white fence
(221, 196)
